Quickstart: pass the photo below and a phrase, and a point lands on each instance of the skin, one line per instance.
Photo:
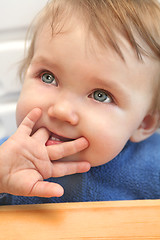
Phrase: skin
(84, 95)
(26, 161)
(68, 99)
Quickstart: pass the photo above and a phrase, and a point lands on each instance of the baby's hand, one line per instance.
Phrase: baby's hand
(25, 161)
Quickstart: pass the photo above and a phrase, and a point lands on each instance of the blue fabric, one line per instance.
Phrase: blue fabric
(3, 140)
(133, 174)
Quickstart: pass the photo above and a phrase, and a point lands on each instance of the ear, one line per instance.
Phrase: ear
(147, 127)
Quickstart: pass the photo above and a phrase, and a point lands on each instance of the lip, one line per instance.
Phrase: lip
(57, 139)
(61, 138)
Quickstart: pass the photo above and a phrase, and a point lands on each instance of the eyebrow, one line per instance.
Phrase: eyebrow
(42, 60)
(108, 83)
(114, 87)
(104, 83)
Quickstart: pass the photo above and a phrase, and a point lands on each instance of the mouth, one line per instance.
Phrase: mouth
(56, 139)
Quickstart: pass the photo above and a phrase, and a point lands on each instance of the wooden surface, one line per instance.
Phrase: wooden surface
(125, 220)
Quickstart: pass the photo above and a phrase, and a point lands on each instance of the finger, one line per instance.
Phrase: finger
(61, 168)
(61, 150)
(29, 121)
(46, 189)
(41, 135)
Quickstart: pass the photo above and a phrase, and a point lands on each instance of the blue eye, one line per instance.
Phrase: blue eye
(101, 96)
(49, 78)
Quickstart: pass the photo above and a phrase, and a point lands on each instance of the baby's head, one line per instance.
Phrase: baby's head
(93, 69)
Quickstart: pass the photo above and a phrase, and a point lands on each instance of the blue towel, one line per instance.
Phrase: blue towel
(133, 174)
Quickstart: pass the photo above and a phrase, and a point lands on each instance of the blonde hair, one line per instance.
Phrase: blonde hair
(102, 19)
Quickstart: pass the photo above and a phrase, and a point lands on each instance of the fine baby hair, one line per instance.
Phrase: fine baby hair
(89, 104)
(103, 19)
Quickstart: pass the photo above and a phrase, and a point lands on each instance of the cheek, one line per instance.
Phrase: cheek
(104, 148)
(25, 104)
(20, 112)
(106, 141)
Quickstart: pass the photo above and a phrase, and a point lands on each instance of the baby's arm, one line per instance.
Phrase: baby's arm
(25, 161)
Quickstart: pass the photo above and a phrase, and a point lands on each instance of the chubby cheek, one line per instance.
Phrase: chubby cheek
(20, 113)
(24, 106)
(101, 154)
(104, 147)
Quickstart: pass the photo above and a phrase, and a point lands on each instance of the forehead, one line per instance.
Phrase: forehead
(88, 40)
(103, 19)
(69, 53)
(107, 37)
(72, 41)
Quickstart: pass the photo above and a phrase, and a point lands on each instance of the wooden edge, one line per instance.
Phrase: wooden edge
(75, 205)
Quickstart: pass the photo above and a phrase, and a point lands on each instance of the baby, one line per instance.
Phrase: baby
(90, 93)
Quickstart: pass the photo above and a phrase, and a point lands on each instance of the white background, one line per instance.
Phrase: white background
(15, 17)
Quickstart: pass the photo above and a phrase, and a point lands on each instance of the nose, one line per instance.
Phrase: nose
(64, 110)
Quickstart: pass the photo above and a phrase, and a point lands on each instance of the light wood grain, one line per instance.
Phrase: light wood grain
(125, 220)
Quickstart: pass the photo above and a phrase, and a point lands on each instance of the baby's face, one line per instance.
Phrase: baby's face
(86, 90)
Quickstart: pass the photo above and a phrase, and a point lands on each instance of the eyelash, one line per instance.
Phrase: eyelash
(99, 94)
(40, 74)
